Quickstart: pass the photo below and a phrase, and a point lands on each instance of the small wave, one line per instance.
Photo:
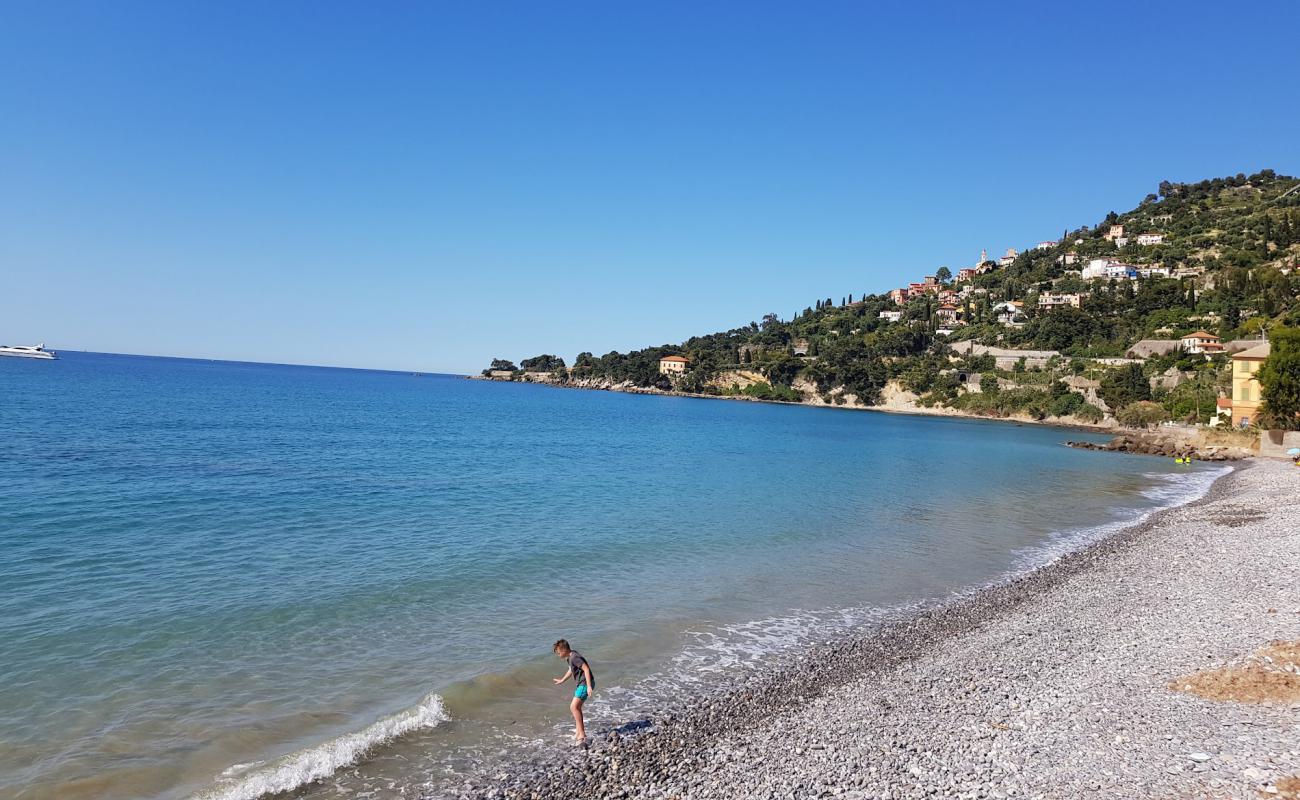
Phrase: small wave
(1168, 490)
(234, 769)
(322, 760)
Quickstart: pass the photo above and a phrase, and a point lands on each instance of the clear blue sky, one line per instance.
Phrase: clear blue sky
(428, 185)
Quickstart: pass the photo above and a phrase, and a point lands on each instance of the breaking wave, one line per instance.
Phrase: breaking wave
(246, 782)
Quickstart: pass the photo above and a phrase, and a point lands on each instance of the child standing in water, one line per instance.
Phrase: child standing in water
(580, 670)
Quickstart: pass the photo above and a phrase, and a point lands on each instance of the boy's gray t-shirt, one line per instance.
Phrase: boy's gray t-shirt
(575, 663)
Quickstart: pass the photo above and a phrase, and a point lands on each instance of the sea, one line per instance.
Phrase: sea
(227, 580)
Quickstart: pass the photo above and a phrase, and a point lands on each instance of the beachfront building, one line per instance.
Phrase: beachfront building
(1008, 258)
(965, 274)
(1201, 342)
(673, 365)
(899, 296)
(1245, 384)
(891, 316)
(1115, 232)
(1045, 245)
(1222, 412)
(1154, 271)
(947, 314)
(1048, 300)
(1147, 239)
(1068, 258)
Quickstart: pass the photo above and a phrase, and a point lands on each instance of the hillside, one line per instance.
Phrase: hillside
(1217, 256)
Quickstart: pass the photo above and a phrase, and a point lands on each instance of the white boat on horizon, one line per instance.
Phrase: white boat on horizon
(28, 351)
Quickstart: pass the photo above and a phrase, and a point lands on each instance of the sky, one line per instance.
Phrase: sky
(429, 185)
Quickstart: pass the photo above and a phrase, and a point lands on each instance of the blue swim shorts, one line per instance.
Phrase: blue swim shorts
(581, 691)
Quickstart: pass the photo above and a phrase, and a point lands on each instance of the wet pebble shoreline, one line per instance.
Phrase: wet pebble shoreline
(1052, 685)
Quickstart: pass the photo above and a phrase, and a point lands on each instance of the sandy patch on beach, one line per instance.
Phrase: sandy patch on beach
(1269, 675)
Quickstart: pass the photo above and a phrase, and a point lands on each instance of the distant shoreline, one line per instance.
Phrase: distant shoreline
(1135, 440)
(916, 411)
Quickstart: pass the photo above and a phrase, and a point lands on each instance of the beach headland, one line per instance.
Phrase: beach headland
(1063, 682)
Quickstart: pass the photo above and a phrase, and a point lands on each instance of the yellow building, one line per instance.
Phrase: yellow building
(1245, 387)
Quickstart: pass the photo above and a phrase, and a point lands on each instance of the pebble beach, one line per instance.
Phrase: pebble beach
(1084, 678)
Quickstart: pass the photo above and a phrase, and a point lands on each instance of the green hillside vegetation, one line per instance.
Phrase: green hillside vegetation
(1230, 244)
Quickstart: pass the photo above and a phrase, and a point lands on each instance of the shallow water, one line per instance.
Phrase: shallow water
(225, 579)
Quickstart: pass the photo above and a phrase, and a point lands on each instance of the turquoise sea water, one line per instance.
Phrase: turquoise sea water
(221, 579)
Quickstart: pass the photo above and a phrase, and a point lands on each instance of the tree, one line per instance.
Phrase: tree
(542, 363)
(1279, 380)
(1124, 385)
(503, 364)
(943, 274)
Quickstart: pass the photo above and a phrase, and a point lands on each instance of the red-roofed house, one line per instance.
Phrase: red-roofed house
(1201, 342)
(673, 365)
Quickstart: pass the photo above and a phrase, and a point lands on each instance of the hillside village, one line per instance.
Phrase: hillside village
(1160, 313)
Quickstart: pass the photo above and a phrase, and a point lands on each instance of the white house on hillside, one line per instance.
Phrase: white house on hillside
(1047, 300)
(1105, 269)
(1201, 342)
(1010, 313)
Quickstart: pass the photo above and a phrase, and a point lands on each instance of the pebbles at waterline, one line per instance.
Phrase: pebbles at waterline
(1054, 685)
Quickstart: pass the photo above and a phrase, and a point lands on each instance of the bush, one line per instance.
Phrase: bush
(766, 391)
(1143, 413)
(1032, 402)
(1089, 413)
(1066, 405)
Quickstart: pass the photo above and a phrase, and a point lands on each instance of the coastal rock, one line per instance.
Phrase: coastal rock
(1157, 445)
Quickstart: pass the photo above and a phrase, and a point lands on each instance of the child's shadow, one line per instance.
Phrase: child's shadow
(627, 728)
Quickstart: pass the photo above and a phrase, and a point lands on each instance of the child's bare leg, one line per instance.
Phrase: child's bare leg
(580, 732)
